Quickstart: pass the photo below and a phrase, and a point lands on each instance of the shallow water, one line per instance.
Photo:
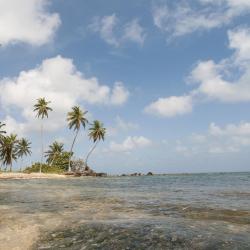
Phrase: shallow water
(198, 211)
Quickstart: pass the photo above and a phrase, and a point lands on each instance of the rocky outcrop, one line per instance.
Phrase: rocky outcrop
(86, 172)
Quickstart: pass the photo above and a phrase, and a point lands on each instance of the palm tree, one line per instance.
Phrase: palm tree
(42, 109)
(96, 133)
(2, 133)
(56, 149)
(23, 149)
(8, 150)
(76, 118)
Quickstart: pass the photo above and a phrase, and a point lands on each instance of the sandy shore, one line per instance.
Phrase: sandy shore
(30, 176)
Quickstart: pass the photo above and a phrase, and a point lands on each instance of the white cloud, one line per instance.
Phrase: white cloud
(187, 16)
(115, 34)
(231, 138)
(227, 81)
(212, 82)
(134, 32)
(119, 94)
(105, 27)
(242, 129)
(217, 80)
(27, 21)
(170, 106)
(13, 127)
(129, 144)
(58, 80)
(239, 39)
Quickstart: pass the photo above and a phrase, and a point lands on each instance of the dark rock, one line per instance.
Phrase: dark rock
(134, 174)
(101, 174)
(69, 173)
(77, 174)
(149, 173)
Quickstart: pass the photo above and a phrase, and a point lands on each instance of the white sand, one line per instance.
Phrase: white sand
(30, 176)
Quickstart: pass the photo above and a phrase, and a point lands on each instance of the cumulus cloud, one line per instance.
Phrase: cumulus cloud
(227, 81)
(231, 138)
(129, 144)
(119, 94)
(58, 80)
(239, 39)
(115, 34)
(27, 21)
(185, 17)
(214, 79)
(170, 106)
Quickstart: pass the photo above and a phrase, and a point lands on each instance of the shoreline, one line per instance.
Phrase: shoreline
(25, 176)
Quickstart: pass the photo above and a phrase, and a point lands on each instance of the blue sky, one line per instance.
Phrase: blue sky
(170, 81)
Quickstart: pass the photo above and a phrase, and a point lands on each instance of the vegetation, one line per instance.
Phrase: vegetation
(8, 150)
(55, 150)
(96, 133)
(76, 118)
(23, 149)
(42, 109)
(2, 131)
(35, 168)
(57, 158)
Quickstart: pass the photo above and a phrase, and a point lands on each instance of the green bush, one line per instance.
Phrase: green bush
(35, 168)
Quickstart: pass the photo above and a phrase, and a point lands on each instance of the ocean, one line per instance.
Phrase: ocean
(185, 211)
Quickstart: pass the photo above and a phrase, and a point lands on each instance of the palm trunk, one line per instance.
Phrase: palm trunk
(11, 161)
(89, 153)
(20, 170)
(52, 161)
(71, 150)
(41, 148)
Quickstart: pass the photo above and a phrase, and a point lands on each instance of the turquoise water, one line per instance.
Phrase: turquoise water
(196, 211)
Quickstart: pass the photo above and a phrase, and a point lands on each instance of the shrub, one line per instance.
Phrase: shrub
(35, 168)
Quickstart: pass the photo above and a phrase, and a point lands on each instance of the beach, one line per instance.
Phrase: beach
(15, 175)
(195, 211)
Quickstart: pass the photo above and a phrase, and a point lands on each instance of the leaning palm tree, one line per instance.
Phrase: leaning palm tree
(23, 149)
(55, 150)
(76, 118)
(96, 133)
(42, 109)
(8, 150)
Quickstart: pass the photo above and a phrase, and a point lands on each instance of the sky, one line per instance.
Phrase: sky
(170, 80)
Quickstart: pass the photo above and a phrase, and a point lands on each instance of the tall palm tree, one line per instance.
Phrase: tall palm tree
(96, 133)
(23, 149)
(55, 149)
(76, 118)
(42, 109)
(8, 150)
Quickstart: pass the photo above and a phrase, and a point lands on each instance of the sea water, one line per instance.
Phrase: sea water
(188, 211)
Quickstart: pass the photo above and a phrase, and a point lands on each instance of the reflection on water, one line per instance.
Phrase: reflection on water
(201, 211)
